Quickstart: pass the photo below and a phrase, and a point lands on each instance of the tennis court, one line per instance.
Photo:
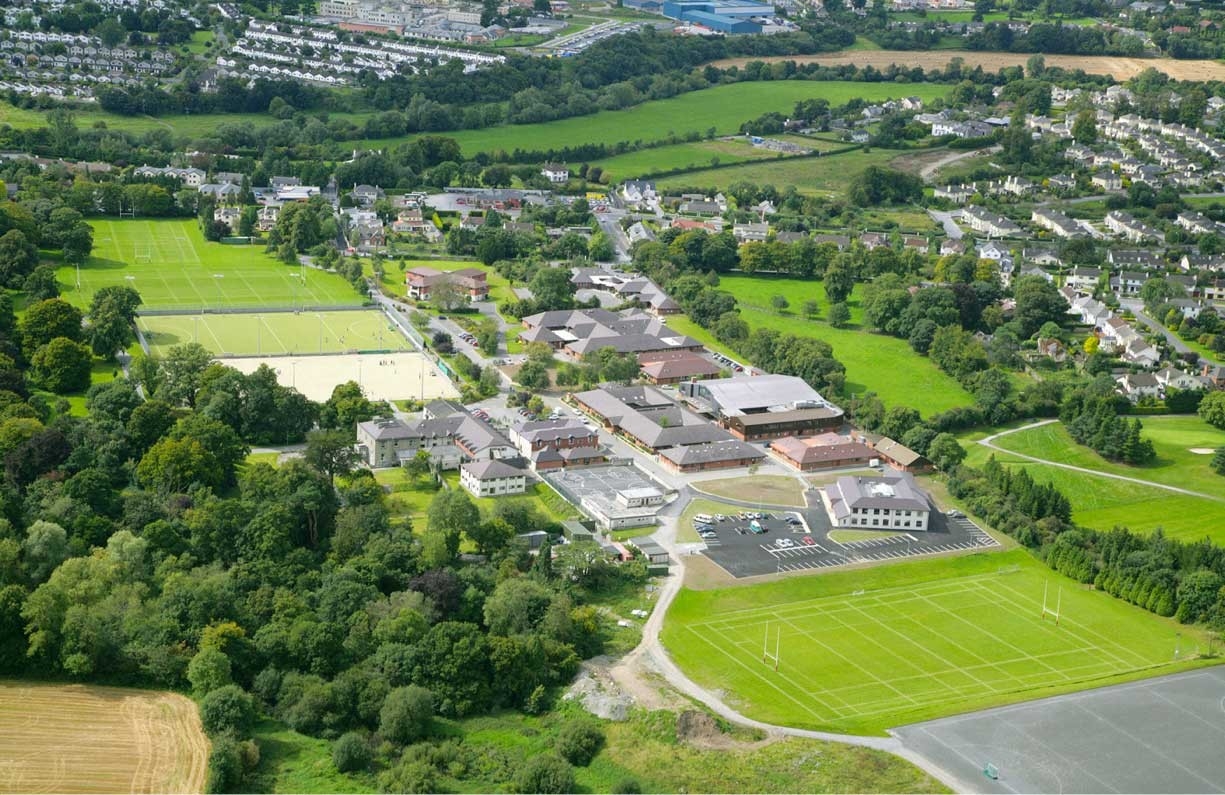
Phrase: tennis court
(275, 333)
(172, 266)
(868, 659)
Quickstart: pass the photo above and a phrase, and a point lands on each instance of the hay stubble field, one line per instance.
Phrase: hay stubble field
(82, 738)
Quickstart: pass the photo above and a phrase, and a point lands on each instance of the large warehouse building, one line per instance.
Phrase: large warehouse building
(763, 407)
(724, 16)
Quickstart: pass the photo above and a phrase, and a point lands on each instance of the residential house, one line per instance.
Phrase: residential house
(750, 233)
(1052, 349)
(957, 194)
(988, 223)
(1056, 222)
(422, 280)
(871, 240)
(1083, 279)
(1126, 226)
(1107, 180)
(1135, 258)
(555, 173)
(951, 247)
(1139, 385)
(1173, 378)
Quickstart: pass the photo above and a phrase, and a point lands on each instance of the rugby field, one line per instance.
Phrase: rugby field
(862, 651)
(275, 333)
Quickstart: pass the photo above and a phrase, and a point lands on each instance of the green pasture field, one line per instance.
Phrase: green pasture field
(863, 651)
(1103, 502)
(178, 269)
(275, 333)
(807, 174)
(882, 364)
(722, 107)
(756, 289)
(646, 162)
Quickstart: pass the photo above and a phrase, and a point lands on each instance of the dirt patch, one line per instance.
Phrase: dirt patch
(1202, 450)
(700, 730)
(78, 738)
(1119, 68)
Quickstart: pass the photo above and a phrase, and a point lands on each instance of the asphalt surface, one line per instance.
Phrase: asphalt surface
(1159, 735)
(745, 554)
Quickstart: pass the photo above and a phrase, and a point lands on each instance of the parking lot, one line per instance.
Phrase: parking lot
(806, 544)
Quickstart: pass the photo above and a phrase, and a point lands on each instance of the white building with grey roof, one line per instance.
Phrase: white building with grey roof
(886, 502)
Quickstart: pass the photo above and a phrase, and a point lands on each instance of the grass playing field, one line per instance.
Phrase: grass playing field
(81, 738)
(1102, 502)
(862, 651)
(275, 333)
(173, 267)
(722, 107)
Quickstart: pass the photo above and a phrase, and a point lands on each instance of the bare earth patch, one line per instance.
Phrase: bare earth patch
(79, 738)
(1119, 68)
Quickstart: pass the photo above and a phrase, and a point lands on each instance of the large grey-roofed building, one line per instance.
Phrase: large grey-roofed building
(647, 416)
(892, 502)
(764, 406)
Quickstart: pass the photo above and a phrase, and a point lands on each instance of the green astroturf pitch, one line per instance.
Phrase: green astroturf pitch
(864, 662)
(172, 266)
(275, 333)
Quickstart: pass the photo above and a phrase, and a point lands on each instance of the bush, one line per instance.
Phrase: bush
(579, 741)
(547, 774)
(224, 766)
(208, 671)
(351, 752)
(228, 710)
(627, 786)
(406, 714)
(410, 777)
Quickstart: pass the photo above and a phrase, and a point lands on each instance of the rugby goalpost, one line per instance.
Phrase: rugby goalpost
(766, 656)
(142, 252)
(1046, 609)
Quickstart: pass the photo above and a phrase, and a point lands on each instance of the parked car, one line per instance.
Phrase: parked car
(784, 543)
(807, 540)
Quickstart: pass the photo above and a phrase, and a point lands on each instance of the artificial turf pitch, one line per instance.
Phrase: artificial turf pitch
(275, 333)
(172, 266)
(896, 653)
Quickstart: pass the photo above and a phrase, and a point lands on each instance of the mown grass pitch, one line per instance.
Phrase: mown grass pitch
(275, 333)
(922, 640)
(172, 266)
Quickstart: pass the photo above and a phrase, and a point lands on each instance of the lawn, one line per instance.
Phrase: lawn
(722, 107)
(862, 651)
(1102, 502)
(849, 536)
(766, 489)
(538, 496)
(755, 290)
(276, 333)
(1173, 437)
(807, 174)
(884, 365)
(173, 267)
(293, 762)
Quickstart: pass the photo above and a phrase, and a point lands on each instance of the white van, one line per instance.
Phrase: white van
(704, 518)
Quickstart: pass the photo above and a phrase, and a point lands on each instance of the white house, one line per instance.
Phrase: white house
(492, 478)
(555, 173)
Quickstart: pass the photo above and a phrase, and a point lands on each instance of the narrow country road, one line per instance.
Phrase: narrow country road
(989, 441)
(928, 171)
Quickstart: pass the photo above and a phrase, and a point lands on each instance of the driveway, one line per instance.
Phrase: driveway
(1137, 309)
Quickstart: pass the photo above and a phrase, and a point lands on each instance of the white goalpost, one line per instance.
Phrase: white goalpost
(142, 253)
(1046, 609)
(766, 656)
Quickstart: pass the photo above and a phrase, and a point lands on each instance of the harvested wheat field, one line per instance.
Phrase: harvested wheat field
(79, 738)
(1119, 68)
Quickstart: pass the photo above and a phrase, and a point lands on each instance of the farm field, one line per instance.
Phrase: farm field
(866, 650)
(275, 333)
(646, 162)
(82, 738)
(656, 120)
(1103, 502)
(1121, 68)
(173, 267)
(807, 174)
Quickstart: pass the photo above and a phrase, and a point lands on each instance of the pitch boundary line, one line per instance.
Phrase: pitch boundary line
(892, 653)
(757, 674)
(914, 588)
(284, 349)
(1104, 643)
(967, 623)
